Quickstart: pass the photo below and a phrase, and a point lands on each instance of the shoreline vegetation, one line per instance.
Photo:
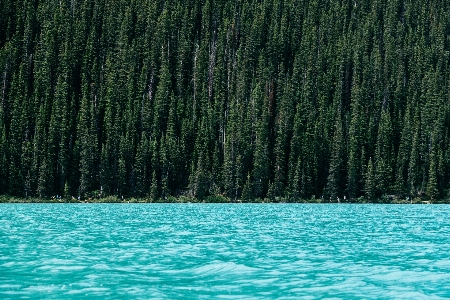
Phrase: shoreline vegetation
(216, 199)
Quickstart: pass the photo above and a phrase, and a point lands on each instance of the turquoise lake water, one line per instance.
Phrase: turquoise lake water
(240, 251)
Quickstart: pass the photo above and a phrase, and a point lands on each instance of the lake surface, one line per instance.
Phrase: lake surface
(192, 251)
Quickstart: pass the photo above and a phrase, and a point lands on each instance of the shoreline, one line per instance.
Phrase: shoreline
(211, 199)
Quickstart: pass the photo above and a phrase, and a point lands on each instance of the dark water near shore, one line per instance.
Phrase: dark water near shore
(262, 251)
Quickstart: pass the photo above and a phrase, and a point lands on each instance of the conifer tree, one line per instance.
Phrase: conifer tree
(384, 155)
(336, 174)
(260, 172)
(370, 184)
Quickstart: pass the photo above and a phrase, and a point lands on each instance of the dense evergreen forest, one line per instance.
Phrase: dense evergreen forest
(247, 99)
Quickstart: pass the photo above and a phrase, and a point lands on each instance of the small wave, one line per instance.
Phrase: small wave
(90, 290)
(101, 267)
(222, 268)
(53, 268)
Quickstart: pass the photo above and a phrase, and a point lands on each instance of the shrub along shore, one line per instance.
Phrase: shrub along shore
(215, 199)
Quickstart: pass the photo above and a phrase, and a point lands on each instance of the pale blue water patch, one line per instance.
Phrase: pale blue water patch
(192, 251)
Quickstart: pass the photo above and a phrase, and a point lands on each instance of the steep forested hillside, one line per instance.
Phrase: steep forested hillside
(243, 98)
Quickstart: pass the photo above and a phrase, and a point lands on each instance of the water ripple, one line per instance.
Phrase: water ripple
(196, 251)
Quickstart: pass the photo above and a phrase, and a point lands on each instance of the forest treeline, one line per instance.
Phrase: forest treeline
(246, 98)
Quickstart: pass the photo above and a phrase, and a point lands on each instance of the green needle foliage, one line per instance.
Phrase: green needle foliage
(244, 100)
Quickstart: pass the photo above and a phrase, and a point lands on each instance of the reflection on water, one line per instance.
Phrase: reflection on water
(224, 251)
